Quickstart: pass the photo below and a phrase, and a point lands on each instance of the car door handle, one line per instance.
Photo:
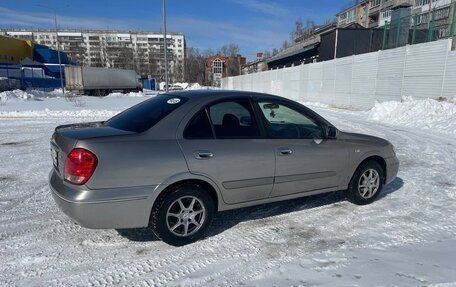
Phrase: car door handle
(203, 154)
(285, 151)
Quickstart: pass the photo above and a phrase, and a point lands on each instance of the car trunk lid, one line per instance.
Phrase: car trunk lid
(65, 138)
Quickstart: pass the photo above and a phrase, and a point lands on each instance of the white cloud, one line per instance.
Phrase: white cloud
(264, 7)
(27, 19)
(218, 33)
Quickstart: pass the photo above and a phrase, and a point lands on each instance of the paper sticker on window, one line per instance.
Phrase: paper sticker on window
(173, 101)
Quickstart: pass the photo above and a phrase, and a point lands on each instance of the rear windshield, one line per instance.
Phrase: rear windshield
(145, 115)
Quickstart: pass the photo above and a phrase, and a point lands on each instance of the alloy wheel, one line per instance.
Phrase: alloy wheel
(369, 183)
(185, 216)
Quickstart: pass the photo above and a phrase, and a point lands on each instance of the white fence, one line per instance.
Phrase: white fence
(422, 71)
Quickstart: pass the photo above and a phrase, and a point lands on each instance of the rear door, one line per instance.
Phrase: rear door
(304, 160)
(222, 142)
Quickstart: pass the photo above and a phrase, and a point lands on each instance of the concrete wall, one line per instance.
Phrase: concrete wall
(421, 71)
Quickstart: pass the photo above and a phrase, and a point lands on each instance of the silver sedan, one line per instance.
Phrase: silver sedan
(171, 162)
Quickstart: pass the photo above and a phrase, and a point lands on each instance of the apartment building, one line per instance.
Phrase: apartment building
(379, 12)
(141, 51)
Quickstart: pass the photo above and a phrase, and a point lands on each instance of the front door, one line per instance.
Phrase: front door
(223, 142)
(304, 160)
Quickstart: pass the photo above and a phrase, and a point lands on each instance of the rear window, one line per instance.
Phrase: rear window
(145, 115)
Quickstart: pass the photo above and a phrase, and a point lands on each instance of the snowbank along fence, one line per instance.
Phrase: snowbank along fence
(421, 71)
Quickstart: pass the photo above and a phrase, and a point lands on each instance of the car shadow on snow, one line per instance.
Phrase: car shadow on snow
(138, 234)
(227, 219)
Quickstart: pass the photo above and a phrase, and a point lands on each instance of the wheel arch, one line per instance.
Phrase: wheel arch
(187, 179)
(375, 158)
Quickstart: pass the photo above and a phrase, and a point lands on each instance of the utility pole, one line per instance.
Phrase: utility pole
(62, 86)
(58, 53)
(165, 45)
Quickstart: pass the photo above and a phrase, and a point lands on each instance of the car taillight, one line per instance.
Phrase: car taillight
(79, 166)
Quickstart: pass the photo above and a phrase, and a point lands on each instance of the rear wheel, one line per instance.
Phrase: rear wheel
(182, 215)
(366, 184)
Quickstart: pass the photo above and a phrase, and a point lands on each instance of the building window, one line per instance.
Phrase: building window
(442, 13)
(347, 17)
(217, 66)
(386, 14)
(419, 3)
(375, 3)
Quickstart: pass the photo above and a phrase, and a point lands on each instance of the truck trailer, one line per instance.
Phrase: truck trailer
(100, 81)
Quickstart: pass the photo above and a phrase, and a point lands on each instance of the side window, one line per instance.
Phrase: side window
(233, 119)
(287, 123)
(199, 127)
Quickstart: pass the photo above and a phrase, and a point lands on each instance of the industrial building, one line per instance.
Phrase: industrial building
(140, 51)
(29, 65)
(12, 51)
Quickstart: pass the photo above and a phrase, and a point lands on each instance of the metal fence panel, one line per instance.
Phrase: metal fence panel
(449, 81)
(421, 71)
(389, 75)
(364, 81)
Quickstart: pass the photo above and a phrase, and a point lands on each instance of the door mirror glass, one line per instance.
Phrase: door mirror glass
(331, 132)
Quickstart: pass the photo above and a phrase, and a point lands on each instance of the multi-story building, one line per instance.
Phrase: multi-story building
(379, 12)
(437, 11)
(141, 51)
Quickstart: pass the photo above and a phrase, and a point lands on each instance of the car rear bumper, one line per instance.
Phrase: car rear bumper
(392, 168)
(99, 208)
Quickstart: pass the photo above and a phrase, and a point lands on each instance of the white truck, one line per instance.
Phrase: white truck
(100, 81)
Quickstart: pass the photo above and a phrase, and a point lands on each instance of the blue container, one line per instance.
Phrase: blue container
(148, 83)
(46, 55)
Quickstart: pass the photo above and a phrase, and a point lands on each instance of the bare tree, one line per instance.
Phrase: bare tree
(275, 51)
(285, 45)
(229, 50)
(194, 66)
(302, 32)
(234, 67)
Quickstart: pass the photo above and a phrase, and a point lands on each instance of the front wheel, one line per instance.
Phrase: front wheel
(183, 215)
(366, 184)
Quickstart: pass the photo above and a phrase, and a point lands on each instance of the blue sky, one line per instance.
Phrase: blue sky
(255, 25)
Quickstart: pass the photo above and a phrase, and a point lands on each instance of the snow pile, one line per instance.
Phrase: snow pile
(427, 114)
(47, 113)
(186, 86)
(57, 93)
(130, 94)
(15, 94)
(28, 95)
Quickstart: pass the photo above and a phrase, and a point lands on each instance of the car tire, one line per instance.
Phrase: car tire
(366, 184)
(182, 215)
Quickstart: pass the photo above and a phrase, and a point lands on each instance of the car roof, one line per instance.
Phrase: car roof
(203, 94)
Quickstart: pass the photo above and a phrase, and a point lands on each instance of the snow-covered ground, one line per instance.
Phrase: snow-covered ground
(406, 238)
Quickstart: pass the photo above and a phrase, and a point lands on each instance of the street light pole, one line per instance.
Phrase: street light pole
(165, 46)
(58, 52)
(62, 86)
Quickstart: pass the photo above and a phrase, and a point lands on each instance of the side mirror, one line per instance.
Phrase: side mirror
(331, 132)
